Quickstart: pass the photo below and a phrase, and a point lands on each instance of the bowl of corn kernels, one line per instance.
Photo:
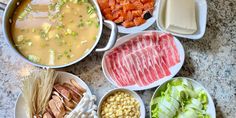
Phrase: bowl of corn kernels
(119, 103)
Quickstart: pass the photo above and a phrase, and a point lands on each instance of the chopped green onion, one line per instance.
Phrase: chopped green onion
(97, 25)
(84, 1)
(25, 12)
(76, 1)
(20, 38)
(91, 10)
(46, 27)
(59, 4)
(30, 43)
(59, 56)
(43, 35)
(33, 58)
(93, 15)
(89, 22)
(74, 33)
(81, 24)
(51, 6)
(65, 52)
(95, 38)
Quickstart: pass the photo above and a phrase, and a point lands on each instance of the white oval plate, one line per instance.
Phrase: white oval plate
(210, 107)
(20, 108)
(134, 94)
(147, 24)
(201, 15)
(174, 70)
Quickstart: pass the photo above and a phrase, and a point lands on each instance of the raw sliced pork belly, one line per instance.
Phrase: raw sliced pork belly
(142, 60)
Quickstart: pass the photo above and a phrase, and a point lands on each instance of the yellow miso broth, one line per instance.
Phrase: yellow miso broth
(54, 32)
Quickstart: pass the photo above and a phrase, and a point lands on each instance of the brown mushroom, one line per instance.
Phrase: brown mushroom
(47, 115)
(73, 82)
(62, 91)
(69, 105)
(56, 112)
(59, 103)
(49, 111)
(76, 96)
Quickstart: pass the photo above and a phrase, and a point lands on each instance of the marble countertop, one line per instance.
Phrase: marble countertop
(210, 61)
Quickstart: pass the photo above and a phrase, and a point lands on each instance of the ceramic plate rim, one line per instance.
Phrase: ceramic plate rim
(133, 93)
(211, 105)
(201, 28)
(78, 80)
(156, 83)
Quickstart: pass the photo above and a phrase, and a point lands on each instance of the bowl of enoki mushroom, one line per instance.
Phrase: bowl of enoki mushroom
(51, 94)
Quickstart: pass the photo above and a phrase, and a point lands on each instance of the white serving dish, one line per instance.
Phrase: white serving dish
(134, 94)
(201, 18)
(20, 108)
(174, 70)
(147, 24)
(210, 108)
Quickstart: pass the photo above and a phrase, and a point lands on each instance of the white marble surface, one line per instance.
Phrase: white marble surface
(211, 61)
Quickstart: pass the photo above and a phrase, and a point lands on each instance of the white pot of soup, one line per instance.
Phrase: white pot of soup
(54, 33)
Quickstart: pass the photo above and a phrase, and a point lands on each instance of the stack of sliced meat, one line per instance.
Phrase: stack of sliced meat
(142, 60)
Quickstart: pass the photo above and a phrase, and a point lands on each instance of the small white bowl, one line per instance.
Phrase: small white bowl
(210, 107)
(201, 15)
(134, 94)
(20, 106)
(147, 24)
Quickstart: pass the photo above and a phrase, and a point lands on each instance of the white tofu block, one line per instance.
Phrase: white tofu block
(181, 16)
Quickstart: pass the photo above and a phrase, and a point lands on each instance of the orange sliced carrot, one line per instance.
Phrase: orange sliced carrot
(109, 17)
(106, 11)
(138, 5)
(123, 14)
(129, 16)
(145, 1)
(112, 2)
(137, 13)
(116, 14)
(118, 7)
(125, 2)
(103, 4)
(128, 24)
(148, 6)
(118, 1)
(138, 21)
(119, 20)
(132, 1)
(128, 7)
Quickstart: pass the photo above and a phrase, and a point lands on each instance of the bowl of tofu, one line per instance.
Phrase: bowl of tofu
(183, 18)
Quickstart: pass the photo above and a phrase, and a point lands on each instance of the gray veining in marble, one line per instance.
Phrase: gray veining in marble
(211, 61)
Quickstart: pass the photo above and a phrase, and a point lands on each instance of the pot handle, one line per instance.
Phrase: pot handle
(2, 6)
(113, 36)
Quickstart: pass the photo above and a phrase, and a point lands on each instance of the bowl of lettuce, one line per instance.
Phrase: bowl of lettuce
(181, 97)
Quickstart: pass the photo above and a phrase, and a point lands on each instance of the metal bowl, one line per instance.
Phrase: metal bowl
(7, 20)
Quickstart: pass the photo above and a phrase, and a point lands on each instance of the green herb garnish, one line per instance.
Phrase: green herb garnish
(33, 58)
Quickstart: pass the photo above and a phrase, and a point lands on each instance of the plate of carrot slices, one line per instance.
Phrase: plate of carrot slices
(131, 16)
